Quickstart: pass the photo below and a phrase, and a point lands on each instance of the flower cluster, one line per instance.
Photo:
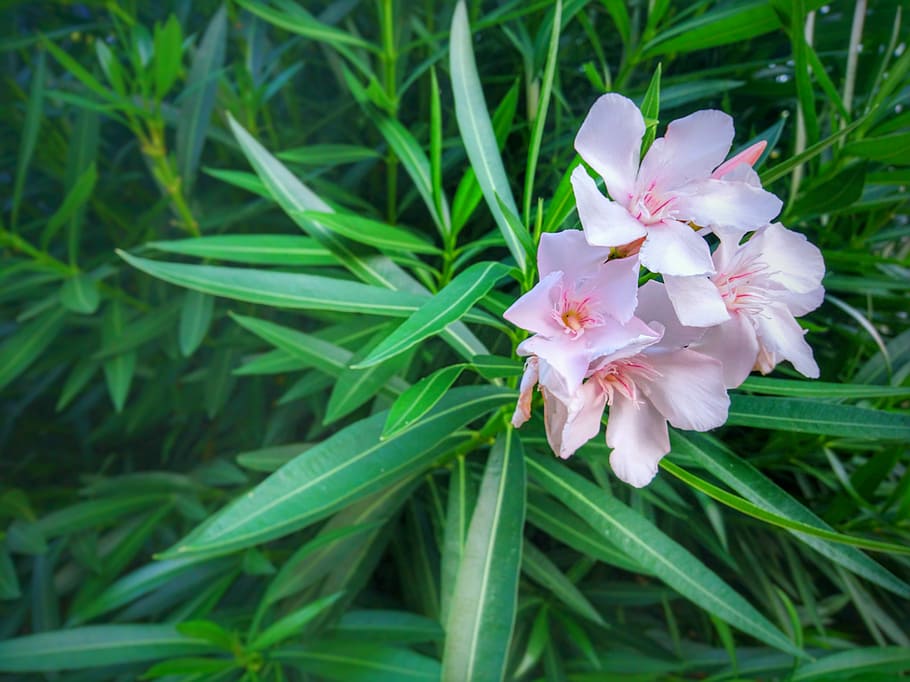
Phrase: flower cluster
(666, 351)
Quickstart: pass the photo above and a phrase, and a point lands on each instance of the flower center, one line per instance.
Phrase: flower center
(620, 377)
(575, 314)
(743, 289)
(649, 208)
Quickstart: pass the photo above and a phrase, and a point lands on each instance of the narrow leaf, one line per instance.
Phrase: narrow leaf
(419, 399)
(21, 349)
(195, 318)
(79, 294)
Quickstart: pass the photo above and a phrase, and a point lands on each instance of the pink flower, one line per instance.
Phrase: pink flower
(581, 308)
(681, 180)
(750, 304)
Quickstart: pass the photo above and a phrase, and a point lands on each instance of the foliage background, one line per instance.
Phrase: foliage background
(131, 410)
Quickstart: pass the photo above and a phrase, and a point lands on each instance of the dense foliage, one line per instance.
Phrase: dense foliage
(255, 382)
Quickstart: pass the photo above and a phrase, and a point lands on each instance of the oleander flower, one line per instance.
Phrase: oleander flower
(682, 183)
(581, 308)
(750, 304)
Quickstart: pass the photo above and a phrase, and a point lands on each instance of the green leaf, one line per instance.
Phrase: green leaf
(25, 538)
(118, 370)
(94, 513)
(477, 133)
(846, 664)
(479, 628)
(328, 154)
(95, 646)
(378, 626)
(755, 487)
(810, 416)
(75, 199)
(650, 110)
(417, 165)
(838, 192)
(890, 149)
(821, 389)
(292, 623)
(496, 366)
(255, 249)
(462, 495)
(219, 381)
(282, 289)
(198, 97)
(167, 56)
(189, 667)
(359, 662)
(547, 574)
(79, 294)
(419, 399)
(447, 306)
(9, 582)
(720, 26)
(30, 131)
(656, 552)
(371, 232)
(195, 318)
(318, 482)
(780, 170)
(21, 349)
(271, 458)
(294, 18)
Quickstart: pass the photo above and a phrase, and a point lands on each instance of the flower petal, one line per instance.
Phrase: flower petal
(746, 158)
(610, 141)
(696, 300)
(573, 423)
(615, 287)
(781, 335)
(526, 393)
(605, 222)
(534, 310)
(566, 359)
(568, 252)
(690, 390)
(654, 306)
(637, 432)
(727, 204)
(735, 345)
(673, 248)
(690, 150)
(795, 263)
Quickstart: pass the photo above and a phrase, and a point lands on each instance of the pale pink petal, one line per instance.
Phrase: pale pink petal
(571, 424)
(735, 345)
(654, 306)
(610, 141)
(673, 248)
(533, 311)
(728, 204)
(801, 304)
(689, 390)
(696, 300)
(568, 252)
(566, 357)
(745, 159)
(690, 150)
(615, 285)
(525, 393)
(780, 334)
(794, 262)
(615, 341)
(605, 222)
(637, 432)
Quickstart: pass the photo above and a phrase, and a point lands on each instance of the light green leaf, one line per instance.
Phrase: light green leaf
(656, 552)
(79, 294)
(477, 133)
(271, 458)
(379, 626)
(479, 629)
(255, 249)
(371, 232)
(95, 646)
(118, 370)
(292, 623)
(198, 98)
(195, 318)
(461, 498)
(496, 366)
(95, 513)
(761, 491)
(419, 399)
(328, 154)
(890, 149)
(846, 664)
(318, 482)
(809, 416)
(446, 307)
(21, 349)
(168, 55)
(796, 388)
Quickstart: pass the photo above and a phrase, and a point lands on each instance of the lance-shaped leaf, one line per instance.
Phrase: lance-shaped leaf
(761, 491)
(371, 232)
(359, 662)
(80, 294)
(319, 481)
(95, 646)
(656, 552)
(420, 398)
(446, 307)
(22, 348)
(195, 318)
(254, 249)
(477, 134)
(479, 628)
